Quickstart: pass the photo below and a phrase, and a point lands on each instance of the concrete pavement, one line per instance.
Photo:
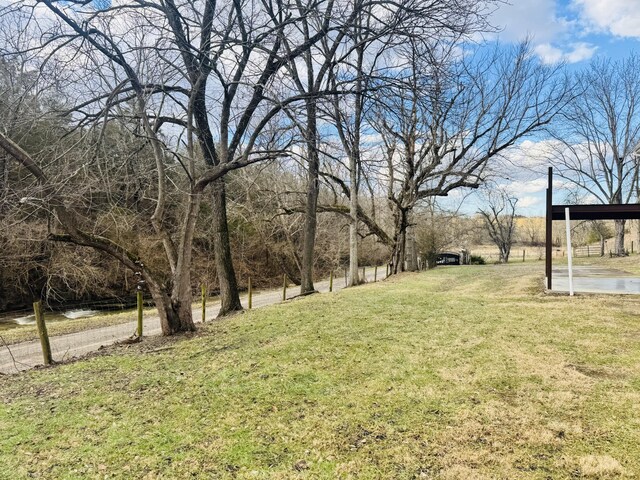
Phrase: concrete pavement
(596, 279)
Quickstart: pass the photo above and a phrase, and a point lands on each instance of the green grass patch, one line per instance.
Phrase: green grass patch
(466, 372)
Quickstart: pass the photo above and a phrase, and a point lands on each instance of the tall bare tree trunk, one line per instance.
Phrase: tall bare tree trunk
(399, 255)
(411, 250)
(354, 167)
(403, 251)
(181, 293)
(353, 225)
(313, 190)
(229, 296)
(172, 315)
(412, 254)
(619, 240)
(505, 252)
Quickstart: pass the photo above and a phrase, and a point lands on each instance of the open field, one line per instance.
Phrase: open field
(462, 372)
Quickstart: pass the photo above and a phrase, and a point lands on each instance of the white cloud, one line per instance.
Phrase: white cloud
(531, 186)
(581, 51)
(618, 17)
(528, 202)
(371, 138)
(528, 18)
(590, 199)
(551, 55)
(548, 53)
(530, 155)
(553, 35)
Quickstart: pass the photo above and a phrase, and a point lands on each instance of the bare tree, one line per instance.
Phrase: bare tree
(438, 229)
(351, 80)
(531, 231)
(349, 122)
(499, 219)
(309, 78)
(442, 119)
(195, 78)
(372, 20)
(450, 116)
(596, 144)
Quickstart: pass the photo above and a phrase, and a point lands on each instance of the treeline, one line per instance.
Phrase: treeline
(188, 141)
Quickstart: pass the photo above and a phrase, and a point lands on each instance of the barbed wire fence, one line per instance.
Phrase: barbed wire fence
(85, 327)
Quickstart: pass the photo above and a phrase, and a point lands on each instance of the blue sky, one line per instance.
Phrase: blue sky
(572, 30)
(569, 31)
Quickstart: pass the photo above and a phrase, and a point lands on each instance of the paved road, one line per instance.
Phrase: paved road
(26, 355)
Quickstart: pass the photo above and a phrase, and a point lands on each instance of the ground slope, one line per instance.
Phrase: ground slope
(466, 372)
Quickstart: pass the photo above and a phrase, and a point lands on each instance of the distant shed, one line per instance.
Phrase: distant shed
(449, 258)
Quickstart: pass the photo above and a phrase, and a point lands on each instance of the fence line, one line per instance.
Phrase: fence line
(21, 350)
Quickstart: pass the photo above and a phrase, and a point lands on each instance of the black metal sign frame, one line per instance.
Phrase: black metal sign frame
(580, 212)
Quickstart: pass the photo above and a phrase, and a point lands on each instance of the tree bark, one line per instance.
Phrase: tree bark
(170, 312)
(412, 254)
(354, 167)
(181, 294)
(399, 256)
(354, 278)
(619, 240)
(229, 296)
(311, 207)
(3, 184)
(505, 252)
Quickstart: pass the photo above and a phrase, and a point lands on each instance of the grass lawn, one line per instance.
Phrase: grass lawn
(458, 373)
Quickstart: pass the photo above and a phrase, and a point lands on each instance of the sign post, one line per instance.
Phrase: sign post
(569, 249)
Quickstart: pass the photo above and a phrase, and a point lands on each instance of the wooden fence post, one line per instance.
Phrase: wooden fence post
(524, 252)
(139, 305)
(345, 277)
(375, 273)
(284, 287)
(250, 288)
(331, 281)
(42, 332)
(631, 246)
